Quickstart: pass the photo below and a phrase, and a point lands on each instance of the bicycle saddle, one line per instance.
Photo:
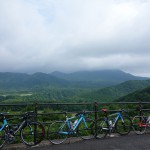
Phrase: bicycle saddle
(104, 110)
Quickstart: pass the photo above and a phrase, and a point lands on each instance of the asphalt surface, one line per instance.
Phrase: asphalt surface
(129, 142)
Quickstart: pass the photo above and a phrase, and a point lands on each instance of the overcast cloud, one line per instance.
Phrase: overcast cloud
(73, 35)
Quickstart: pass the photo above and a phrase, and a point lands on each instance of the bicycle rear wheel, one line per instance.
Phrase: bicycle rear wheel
(101, 129)
(84, 132)
(139, 124)
(124, 127)
(57, 132)
(32, 133)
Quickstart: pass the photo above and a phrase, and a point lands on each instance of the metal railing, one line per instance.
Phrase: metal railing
(59, 108)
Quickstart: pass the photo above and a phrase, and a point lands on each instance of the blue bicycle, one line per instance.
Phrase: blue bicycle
(59, 131)
(31, 133)
(115, 122)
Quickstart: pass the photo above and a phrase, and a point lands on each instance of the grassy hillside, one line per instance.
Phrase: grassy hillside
(76, 94)
(115, 92)
(140, 95)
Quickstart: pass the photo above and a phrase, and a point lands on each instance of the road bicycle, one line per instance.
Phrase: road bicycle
(59, 131)
(31, 133)
(115, 122)
(140, 122)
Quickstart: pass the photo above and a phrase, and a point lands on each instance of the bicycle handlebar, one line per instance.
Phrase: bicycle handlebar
(28, 114)
(80, 113)
(3, 113)
(121, 110)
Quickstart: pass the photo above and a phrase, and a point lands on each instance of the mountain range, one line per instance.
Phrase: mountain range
(83, 86)
(83, 79)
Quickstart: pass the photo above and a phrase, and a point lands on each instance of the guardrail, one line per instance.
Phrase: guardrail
(63, 108)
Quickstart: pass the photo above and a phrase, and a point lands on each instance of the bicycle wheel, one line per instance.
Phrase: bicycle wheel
(84, 132)
(55, 132)
(124, 127)
(2, 138)
(32, 133)
(101, 129)
(139, 124)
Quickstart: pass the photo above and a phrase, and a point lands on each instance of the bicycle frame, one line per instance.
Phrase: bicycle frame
(72, 130)
(118, 116)
(144, 122)
(20, 126)
(4, 124)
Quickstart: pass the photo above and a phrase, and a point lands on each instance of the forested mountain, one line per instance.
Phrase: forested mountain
(20, 81)
(80, 86)
(83, 79)
(137, 96)
(113, 76)
(115, 92)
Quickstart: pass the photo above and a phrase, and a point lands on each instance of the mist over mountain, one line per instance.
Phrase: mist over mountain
(117, 76)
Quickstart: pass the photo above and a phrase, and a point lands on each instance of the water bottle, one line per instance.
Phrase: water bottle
(71, 125)
(148, 119)
(110, 123)
(75, 122)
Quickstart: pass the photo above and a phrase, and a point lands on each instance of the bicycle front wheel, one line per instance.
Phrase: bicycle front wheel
(139, 124)
(2, 138)
(86, 132)
(123, 127)
(32, 133)
(57, 132)
(101, 129)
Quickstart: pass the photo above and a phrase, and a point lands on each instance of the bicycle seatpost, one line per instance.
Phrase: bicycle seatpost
(105, 111)
(65, 114)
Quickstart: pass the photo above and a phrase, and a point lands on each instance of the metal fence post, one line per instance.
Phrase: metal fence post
(95, 119)
(140, 108)
(35, 111)
(35, 120)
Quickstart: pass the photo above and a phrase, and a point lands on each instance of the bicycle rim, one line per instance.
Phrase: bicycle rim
(32, 133)
(139, 124)
(123, 128)
(84, 132)
(55, 133)
(101, 129)
(2, 138)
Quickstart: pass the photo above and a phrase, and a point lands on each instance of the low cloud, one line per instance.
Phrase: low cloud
(50, 35)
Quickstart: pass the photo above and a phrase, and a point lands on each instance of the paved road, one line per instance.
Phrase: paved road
(130, 142)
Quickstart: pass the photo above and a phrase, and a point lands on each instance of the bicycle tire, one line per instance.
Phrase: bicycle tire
(101, 129)
(32, 133)
(84, 132)
(139, 124)
(2, 138)
(53, 132)
(123, 128)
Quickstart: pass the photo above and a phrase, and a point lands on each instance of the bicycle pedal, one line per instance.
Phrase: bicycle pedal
(11, 140)
(105, 129)
(111, 135)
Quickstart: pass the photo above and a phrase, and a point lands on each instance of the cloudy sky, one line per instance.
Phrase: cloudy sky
(73, 35)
